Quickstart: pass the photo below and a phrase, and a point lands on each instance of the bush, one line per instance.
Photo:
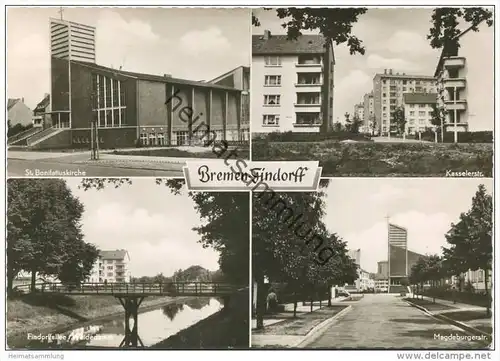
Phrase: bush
(315, 137)
(462, 137)
(478, 299)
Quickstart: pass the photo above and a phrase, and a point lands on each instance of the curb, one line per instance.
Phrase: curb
(465, 327)
(317, 331)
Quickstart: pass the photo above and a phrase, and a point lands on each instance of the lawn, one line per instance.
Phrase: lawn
(241, 153)
(429, 305)
(477, 319)
(300, 325)
(381, 159)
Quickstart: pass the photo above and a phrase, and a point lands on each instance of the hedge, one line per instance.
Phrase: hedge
(463, 137)
(315, 137)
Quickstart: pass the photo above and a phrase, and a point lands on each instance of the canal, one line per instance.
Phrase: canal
(154, 326)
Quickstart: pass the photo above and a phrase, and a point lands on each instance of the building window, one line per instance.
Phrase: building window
(110, 274)
(110, 267)
(411, 121)
(421, 113)
(384, 108)
(272, 61)
(309, 78)
(182, 137)
(421, 105)
(383, 95)
(309, 98)
(412, 105)
(270, 119)
(308, 118)
(152, 139)
(161, 139)
(108, 100)
(272, 99)
(272, 80)
(412, 112)
(144, 139)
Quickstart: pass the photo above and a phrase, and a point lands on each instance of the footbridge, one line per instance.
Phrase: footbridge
(131, 295)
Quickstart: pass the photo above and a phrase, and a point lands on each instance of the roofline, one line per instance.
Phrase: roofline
(167, 79)
(426, 77)
(395, 225)
(71, 22)
(228, 72)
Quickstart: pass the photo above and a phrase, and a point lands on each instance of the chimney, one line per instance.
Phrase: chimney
(267, 34)
(385, 71)
(390, 71)
(167, 75)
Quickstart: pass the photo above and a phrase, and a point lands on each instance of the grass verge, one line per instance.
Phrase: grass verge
(381, 159)
(429, 305)
(300, 325)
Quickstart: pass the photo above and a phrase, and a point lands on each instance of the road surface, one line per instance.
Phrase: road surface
(386, 321)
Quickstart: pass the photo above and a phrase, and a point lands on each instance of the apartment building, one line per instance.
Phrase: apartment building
(418, 108)
(369, 109)
(475, 278)
(466, 83)
(111, 267)
(292, 83)
(388, 90)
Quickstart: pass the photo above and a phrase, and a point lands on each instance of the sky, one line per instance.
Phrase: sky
(151, 223)
(194, 44)
(357, 209)
(393, 38)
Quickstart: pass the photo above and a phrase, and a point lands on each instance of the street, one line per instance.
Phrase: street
(386, 321)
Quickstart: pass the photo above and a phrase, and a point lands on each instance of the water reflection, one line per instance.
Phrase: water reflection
(154, 326)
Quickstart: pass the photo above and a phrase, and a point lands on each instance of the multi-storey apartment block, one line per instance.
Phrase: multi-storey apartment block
(418, 109)
(466, 82)
(292, 83)
(359, 112)
(388, 90)
(111, 266)
(369, 110)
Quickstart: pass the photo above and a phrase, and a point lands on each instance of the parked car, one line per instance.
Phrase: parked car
(343, 293)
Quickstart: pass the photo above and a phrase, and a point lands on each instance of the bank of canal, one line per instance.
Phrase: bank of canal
(157, 321)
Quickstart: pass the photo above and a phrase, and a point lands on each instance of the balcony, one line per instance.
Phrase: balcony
(458, 83)
(307, 105)
(309, 63)
(308, 120)
(456, 105)
(454, 62)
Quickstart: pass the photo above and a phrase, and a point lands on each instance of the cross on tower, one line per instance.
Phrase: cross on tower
(61, 10)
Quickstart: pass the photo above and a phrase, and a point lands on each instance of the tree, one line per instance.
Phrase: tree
(445, 30)
(437, 120)
(356, 123)
(44, 232)
(334, 24)
(471, 238)
(337, 127)
(373, 124)
(419, 274)
(399, 120)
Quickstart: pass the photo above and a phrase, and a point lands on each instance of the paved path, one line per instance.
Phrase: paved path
(386, 321)
(397, 140)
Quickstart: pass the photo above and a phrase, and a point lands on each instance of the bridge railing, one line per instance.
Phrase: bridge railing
(167, 289)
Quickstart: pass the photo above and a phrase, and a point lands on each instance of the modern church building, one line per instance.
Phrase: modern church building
(130, 109)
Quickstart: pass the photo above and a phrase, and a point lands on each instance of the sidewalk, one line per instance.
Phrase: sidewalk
(297, 331)
(470, 318)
